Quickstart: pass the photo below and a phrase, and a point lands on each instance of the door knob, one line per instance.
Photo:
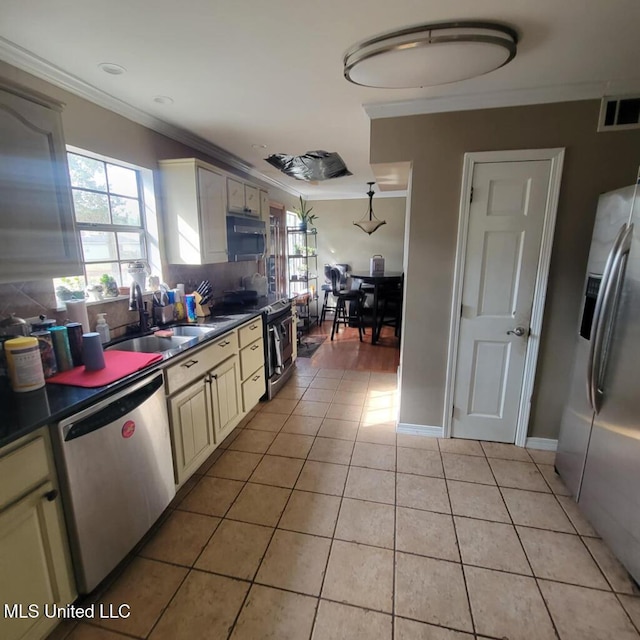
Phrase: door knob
(518, 331)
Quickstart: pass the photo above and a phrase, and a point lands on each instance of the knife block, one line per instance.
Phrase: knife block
(199, 310)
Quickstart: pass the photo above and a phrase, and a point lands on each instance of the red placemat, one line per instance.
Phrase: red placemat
(118, 364)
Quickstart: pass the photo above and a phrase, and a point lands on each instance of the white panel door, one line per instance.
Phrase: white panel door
(506, 219)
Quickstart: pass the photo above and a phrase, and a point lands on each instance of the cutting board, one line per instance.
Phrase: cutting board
(118, 364)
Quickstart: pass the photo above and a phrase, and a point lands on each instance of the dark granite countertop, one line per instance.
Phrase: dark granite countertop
(22, 413)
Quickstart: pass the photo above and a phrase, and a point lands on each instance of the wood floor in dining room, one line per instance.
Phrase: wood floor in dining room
(347, 352)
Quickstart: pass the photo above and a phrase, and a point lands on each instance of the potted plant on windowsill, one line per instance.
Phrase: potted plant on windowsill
(304, 214)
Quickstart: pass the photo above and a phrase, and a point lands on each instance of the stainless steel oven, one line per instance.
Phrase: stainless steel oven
(280, 335)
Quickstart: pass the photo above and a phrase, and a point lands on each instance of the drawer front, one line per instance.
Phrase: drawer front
(250, 332)
(195, 364)
(251, 358)
(253, 389)
(22, 470)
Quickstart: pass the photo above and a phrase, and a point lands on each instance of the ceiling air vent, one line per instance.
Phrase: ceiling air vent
(618, 113)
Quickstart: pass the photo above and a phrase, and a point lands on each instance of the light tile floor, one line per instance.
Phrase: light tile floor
(315, 520)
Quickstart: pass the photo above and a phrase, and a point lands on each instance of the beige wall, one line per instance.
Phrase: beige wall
(104, 132)
(594, 163)
(339, 241)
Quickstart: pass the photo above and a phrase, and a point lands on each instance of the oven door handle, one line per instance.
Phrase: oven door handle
(277, 347)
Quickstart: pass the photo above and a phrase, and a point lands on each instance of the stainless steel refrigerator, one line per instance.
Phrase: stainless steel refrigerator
(599, 444)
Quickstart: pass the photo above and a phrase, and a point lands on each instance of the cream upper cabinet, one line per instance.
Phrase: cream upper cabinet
(251, 200)
(37, 234)
(264, 206)
(235, 195)
(34, 554)
(194, 204)
(242, 198)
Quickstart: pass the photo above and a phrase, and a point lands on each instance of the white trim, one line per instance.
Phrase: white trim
(543, 444)
(497, 99)
(33, 64)
(419, 430)
(556, 156)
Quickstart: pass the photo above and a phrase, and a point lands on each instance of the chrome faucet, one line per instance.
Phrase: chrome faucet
(136, 304)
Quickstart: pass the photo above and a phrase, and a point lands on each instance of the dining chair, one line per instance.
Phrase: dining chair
(355, 298)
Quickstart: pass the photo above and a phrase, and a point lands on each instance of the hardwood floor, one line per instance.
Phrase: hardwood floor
(347, 352)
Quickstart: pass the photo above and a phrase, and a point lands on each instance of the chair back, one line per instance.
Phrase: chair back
(335, 281)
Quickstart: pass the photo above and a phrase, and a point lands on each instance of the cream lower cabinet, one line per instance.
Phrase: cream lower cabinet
(252, 374)
(225, 394)
(35, 565)
(192, 428)
(210, 390)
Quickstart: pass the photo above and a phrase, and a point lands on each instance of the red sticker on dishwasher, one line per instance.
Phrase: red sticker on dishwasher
(128, 428)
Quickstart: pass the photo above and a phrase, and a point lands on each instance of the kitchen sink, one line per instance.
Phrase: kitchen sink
(190, 331)
(152, 344)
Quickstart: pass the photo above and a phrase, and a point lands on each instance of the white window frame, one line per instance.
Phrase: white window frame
(149, 214)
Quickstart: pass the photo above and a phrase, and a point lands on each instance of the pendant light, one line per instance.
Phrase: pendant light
(369, 225)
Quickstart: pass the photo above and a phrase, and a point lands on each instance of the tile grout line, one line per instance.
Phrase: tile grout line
(252, 582)
(455, 533)
(395, 544)
(533, 574)
(335, 526)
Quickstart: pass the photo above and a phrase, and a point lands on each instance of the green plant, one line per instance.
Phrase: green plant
(109, 285)
(304, 214)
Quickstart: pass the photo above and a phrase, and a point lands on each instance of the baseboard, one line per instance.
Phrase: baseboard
(420, 430)
(545, 444)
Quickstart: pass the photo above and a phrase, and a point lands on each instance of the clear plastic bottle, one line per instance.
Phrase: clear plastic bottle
(103, 328)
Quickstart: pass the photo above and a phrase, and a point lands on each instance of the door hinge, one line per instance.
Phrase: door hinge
(471, 196)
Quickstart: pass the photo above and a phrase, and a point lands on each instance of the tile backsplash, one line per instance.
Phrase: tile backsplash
(33, 298)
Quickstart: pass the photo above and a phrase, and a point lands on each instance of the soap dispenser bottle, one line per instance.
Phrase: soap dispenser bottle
(103, 328)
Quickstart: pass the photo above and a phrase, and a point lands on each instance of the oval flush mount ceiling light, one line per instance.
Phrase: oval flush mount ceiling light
(430, 54)
(112, 68)
(163, 99)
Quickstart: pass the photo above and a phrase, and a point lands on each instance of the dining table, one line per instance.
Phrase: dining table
(377, 283)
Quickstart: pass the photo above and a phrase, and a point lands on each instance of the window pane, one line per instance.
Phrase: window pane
(131, 246)
(96, 271)
(91, 207)
(98, 245)
(87, 173)
(125, 211)
(122, 181)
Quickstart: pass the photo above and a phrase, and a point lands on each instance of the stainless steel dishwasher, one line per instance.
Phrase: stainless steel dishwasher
(116, 474)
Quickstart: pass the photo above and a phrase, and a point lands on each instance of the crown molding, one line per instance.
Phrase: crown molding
(497, 99)
(379, 195)
(27, 61)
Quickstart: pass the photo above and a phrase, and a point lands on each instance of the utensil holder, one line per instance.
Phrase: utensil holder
(163, 315)
(200, 312)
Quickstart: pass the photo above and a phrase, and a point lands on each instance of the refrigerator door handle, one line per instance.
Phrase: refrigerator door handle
(597, 316)
(610, 301)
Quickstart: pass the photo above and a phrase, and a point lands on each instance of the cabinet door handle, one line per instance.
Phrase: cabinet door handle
(223, 344)
(214, 376)
(253, 326)
(255, 378)
(189, 363)
(254, 347)
(51, 495)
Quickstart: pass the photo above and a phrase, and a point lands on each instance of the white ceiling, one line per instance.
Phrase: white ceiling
(252, 72)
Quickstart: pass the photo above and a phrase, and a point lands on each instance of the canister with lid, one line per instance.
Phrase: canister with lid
(43, 324)
(47, 354)
(24, 364)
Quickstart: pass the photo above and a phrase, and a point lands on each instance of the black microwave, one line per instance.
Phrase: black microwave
(246, 238)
